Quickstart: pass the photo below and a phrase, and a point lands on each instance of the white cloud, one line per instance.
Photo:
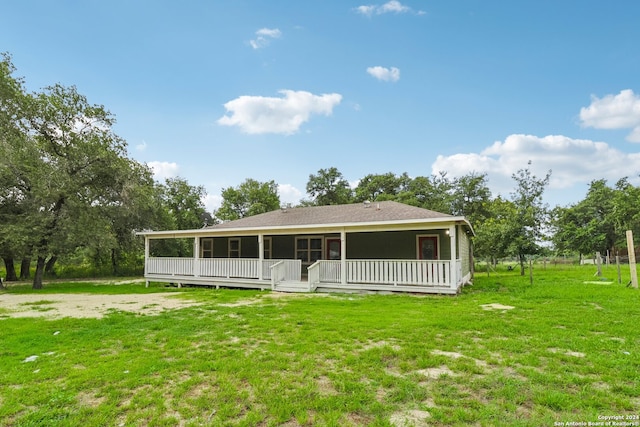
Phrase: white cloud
(142, 146)
(264, 37)
(212, 202)
(289, 194)
(164, 170)
(285, 115)
(392, 6)
(621, 111)
(573, 162)
(385, 74)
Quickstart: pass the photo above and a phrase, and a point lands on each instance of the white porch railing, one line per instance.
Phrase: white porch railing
(388, 272)
(240, 268)
(373, 272)
(170, 266)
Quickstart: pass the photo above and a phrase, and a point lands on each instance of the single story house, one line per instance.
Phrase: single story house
(380, 246)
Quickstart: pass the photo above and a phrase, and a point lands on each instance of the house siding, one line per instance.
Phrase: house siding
(369, 245)
(464, 250)
(392, 244)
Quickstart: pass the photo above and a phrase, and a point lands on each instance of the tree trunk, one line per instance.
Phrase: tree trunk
(522, 265)
(48, 268)
(114, 261)
(25, 265)
(37, 279)
(11, 270)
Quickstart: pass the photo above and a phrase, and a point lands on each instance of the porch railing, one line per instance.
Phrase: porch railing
(388, 272)
(170, 266)
(240, 268)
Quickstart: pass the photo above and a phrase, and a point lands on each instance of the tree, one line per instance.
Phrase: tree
(625, 215)
(329, 187)
(17, 158)
(184, 204)
(494, 233)
(381, 187)
(433, 192)
(470, 198)
(61, 169)
(531, 215)
(250, 198)
(587, 226)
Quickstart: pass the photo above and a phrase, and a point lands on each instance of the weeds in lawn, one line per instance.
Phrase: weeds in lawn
(563, 351)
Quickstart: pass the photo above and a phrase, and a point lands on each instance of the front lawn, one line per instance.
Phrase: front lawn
(504, 352)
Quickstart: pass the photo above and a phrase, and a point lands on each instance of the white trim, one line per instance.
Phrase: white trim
(202, 246)
(232, 239)
(418, 236)
(264, 245)
(308, 237)
(399, 225)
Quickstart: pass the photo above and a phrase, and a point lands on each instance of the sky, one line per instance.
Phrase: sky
(219, 91)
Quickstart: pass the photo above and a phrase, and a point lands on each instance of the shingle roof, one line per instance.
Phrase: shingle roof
(334, 214)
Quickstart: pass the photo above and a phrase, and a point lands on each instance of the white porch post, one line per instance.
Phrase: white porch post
(196, 256)
(343, 257)
(260, 255)
(146, 259)
(454, 269)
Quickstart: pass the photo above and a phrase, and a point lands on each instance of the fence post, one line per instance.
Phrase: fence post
(632, 259)
(618, 267)
(599, 263)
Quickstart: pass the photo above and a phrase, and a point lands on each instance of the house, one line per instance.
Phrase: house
(381, 246)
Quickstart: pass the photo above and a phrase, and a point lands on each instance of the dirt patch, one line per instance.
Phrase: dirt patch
(496, 306)
(272, 295)
(55, 306)
(435, 373)
(410, 418)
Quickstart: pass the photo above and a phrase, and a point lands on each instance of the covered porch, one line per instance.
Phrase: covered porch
(399, 257)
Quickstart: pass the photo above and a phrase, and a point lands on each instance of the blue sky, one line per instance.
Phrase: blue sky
(221, 91)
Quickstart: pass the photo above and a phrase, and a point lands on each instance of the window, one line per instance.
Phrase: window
(234, 248)
(309, 249)
(267, 247)
(206, 247)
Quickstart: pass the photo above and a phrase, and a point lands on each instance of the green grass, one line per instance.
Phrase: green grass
(567, 351)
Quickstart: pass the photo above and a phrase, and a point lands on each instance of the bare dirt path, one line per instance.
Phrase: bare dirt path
(55, 306)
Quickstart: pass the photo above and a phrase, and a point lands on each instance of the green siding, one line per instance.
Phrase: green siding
(372, 245)
(392, 245)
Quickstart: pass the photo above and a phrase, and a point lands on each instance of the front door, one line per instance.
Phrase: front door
(333, 249)
(428, 247)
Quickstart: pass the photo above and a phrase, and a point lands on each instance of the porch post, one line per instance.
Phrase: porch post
(343, 257)
(146, 260)
(260, 255)
(453, 276)
(196, 256)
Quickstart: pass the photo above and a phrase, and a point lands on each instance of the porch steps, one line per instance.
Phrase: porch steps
(290, 286)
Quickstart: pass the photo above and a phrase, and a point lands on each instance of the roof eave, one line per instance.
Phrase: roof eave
(292, 228)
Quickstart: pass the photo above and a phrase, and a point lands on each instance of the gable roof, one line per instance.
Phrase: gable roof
(335, 214)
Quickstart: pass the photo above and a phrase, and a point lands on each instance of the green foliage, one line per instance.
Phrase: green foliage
(65, 179)
(526, 227)
(250, 198)
(329, 187)
(377, 188)
(184, 205)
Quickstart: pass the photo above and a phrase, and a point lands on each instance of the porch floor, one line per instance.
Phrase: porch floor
(300, 286)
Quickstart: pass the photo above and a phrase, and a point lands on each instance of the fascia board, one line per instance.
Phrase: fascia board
(428, 223)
